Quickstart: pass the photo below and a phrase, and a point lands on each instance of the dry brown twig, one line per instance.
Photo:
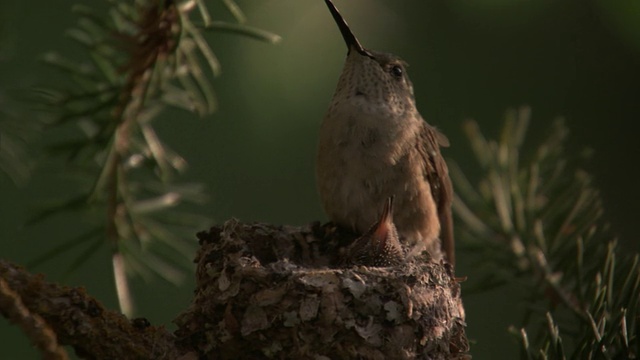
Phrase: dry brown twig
(78, 320)
(36, 329)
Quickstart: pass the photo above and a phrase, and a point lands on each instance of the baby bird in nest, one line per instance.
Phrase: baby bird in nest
(380, 245)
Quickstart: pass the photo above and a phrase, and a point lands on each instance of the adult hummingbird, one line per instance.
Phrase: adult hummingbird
(374, 144)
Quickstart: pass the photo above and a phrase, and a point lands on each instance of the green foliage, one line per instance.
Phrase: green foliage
(15, 136)
(539, 223)
(141, 58)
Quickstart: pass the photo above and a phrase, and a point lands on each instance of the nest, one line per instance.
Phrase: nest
(266, 292)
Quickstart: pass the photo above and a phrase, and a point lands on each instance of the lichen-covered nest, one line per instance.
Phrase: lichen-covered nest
(281, 292)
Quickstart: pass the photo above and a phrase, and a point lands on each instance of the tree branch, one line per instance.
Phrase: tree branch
(80, 321)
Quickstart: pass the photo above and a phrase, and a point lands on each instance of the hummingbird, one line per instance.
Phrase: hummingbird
(380, 245)
(374, 144)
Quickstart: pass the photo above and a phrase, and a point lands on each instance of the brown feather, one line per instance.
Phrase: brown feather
(437, 174)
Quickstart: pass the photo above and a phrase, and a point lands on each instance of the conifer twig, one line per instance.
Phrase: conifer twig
(144, 56)
(540, 221)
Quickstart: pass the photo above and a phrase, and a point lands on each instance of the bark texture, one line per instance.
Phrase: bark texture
(80, 321)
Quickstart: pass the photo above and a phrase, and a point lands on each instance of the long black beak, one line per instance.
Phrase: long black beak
(349, 38)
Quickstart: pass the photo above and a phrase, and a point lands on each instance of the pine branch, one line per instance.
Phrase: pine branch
(69, 316)
(15, 137)
(541, 222)
(143, 57)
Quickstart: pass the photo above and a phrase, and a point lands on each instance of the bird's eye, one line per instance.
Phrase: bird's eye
(396, 71)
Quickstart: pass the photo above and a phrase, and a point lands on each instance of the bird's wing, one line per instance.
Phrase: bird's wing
(437, 174)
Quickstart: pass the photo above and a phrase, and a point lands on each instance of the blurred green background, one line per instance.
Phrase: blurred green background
(468, 59)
